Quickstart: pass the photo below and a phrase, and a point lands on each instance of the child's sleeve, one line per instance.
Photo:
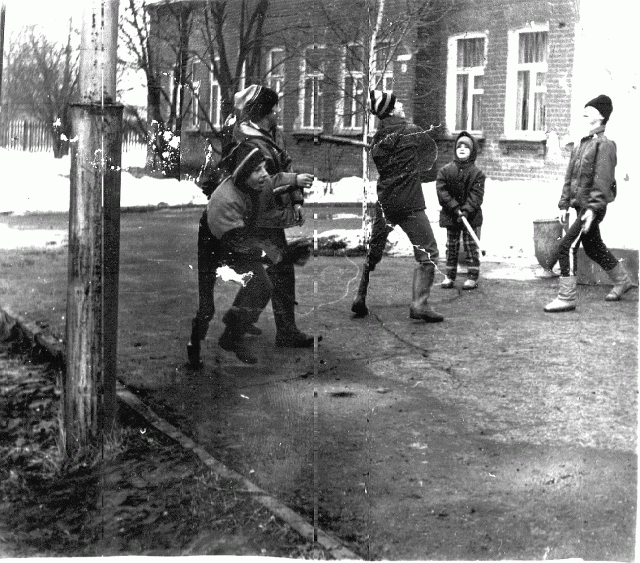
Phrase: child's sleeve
(565, 198)
(447, 201)
(286, 182)
(476, 194)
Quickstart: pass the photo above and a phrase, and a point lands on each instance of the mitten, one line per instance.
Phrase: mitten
(299, 251)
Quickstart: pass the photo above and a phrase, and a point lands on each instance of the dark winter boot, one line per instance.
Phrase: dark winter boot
(251, 328)
(232, 339)
(567, 293)
(288, 335)
(621, 282)
(193, 347)
(422, 281)
(232, 342)
(283, 301)
(359, 306)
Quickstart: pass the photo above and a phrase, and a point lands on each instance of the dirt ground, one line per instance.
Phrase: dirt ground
(501, 433)
(142, 494)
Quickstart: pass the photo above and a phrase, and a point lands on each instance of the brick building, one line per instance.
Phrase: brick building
(507, 70)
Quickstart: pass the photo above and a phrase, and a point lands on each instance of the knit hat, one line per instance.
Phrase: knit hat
(603, 104)
(382, 103)
(256, 101)
(246, 158)
(464, 140)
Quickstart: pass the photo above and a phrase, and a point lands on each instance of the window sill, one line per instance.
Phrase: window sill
(348, 132)
(529, 144)
(306, 134)
(451, 137)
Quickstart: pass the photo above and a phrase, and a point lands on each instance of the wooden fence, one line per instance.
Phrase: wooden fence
(35, 136)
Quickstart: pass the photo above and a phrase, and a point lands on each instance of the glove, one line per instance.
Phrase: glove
(587, 220)
(299, 251)
(270, 252)
(461, 214)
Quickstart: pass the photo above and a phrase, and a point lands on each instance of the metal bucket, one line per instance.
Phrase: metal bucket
(547, 234)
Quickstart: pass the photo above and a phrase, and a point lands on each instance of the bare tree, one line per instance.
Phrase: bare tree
(166, 80)
(40, 82)
(370, 46)
(218, 52)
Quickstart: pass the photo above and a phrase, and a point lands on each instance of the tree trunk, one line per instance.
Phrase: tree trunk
(154, 122)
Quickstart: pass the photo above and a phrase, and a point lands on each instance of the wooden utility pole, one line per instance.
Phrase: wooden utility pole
(94, 235)
(3, 10)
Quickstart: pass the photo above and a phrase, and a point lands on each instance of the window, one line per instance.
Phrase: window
(195, 99)
(382, 78)
(383, 69)
(215, 101)
(526, 91)
(465, 89)
(531, 91)
(275, 73)
(353, 107)
(312, 86)
(168, 90)
(353, 103)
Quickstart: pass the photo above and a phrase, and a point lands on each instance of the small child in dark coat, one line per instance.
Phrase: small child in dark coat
(460, 188)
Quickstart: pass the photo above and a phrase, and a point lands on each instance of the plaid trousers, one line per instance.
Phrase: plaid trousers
(470, 248)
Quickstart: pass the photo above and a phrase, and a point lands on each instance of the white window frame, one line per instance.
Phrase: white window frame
(381, 80)
(214, 117)
(513, 67)
(194, 122)
(452, 82)
(358, 76)
(276, 76)
(316, 74)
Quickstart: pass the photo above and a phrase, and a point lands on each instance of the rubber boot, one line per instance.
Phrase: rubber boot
(193, 347)
(422, 281)
(359, 306)
(283, 301)
(621, 282)
(567, 293)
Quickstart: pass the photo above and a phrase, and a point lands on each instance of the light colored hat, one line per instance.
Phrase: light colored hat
(256, 101)
(246, 96)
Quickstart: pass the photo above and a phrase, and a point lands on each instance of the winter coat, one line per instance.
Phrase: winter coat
(231, 218)
(460, 186)
(275, 211)
(590, 181)
(397, 149)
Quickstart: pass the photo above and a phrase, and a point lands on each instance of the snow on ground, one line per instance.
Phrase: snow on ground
(38, 182)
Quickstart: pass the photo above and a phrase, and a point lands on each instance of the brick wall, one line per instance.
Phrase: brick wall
(501, 157)
(420, 79)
